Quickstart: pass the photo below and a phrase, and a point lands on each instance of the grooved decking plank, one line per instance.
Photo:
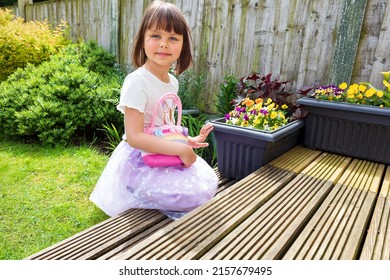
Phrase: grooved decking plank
(107, 237)
(224, 183)
(337, 228)
(215, 218)
(268, 232)
(70, 248)
(194, 234)
(377, 242)
(138, 238)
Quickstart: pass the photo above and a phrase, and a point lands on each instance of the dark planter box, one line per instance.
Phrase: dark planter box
(348, 129)
(240, 150)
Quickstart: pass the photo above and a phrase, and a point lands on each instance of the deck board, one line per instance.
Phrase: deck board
(113, 234)
(305, 204)
(219, 216)
(337, 228)
(377, 242)
(103, 237)
(270, 230)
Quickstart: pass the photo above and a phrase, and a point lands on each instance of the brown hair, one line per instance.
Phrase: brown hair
(168, 17)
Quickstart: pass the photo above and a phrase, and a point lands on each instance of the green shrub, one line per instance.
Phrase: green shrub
(191, 86)
(22, 43)
(64, 99)
(114, 137)
(226, 95)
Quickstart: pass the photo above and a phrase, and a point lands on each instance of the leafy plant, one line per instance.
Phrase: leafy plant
(113, 136)
(360, 93)
(97, 59)
(27, 42)
(226, 95)
(191, 86)
(255, 86)
(62, 100)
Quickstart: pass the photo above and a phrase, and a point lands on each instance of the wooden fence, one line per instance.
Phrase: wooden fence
(302, 41)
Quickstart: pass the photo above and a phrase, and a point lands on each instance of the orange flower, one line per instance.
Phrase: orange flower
(248, 102)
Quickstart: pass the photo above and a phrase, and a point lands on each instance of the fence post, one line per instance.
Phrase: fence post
(347, 41)
(21, 6)
(114, 41)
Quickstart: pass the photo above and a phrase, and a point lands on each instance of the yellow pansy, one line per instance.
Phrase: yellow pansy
(360, 96)
(379, 93)
(370, 92)
(270, 106)
(354, 87)
(362, 88)
(273, 115)
(258, 106)
(284, 106)
(351, 92)
(281, 115)
(343, 85)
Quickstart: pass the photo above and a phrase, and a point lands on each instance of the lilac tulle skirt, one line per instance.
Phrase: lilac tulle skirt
(127, 182)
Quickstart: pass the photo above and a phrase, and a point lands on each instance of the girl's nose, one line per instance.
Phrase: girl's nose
(163, 44)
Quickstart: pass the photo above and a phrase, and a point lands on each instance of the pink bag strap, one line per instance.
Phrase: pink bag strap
(176, 101)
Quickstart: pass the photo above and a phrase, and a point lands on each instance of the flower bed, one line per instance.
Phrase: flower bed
(265, 123)
(350, 120)
(242, 150)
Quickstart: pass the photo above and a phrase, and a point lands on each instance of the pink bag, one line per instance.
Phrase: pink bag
(169, 131)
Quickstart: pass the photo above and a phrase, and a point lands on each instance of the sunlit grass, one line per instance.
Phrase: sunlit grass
(44, 195)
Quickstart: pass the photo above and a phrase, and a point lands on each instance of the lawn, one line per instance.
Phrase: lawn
(44, 195)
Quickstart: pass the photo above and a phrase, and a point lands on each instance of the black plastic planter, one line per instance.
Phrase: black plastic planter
(359, 131)
(240, 150)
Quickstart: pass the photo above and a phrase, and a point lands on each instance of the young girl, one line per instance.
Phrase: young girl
(127, 182)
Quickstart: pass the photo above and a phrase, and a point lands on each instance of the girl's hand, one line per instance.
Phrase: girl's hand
(199, 141)
(188, 157)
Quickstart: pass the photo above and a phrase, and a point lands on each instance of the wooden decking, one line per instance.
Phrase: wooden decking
(305, 204)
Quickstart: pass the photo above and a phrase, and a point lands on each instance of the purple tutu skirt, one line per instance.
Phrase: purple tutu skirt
(127, 182)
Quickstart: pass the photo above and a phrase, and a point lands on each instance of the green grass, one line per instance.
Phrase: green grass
(44, 195)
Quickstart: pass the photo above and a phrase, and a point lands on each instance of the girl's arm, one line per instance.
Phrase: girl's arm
(134, 125)
(199, 141)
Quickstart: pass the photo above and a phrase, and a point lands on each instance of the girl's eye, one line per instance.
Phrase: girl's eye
(155, 36)
(173, 39)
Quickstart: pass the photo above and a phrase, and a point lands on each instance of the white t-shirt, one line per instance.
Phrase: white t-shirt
(141, 90)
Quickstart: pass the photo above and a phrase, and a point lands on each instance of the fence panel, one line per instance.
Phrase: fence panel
(294, 40)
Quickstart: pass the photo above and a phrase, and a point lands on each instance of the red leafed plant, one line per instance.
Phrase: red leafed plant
(256, 86)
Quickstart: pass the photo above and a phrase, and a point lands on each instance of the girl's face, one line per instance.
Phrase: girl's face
(161, 47)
